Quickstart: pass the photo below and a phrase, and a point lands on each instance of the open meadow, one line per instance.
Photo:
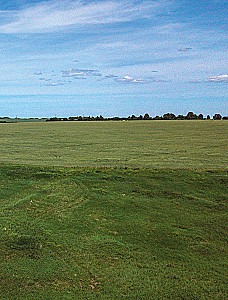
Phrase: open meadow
(149, 144)
(113, 210)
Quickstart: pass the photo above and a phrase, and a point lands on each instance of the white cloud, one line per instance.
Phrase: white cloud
(80, 73)
(55, 84)
(111, 76)
(52, 16)
(129, 79)
(219, 78)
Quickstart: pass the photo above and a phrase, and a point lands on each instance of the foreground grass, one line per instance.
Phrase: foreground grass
(109, 233)
(151, 144)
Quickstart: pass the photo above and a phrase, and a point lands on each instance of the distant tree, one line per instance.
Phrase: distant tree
(73, 118)
(157, 118)
(133, 117)
(146, 117)
(99, 118)
(169, 116)
(54, 119)
(191, 116)
(180, 117)
(217, 117)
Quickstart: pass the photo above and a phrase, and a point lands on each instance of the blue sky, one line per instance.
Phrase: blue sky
(109, 57)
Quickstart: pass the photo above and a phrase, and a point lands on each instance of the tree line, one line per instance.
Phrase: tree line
(167, 116)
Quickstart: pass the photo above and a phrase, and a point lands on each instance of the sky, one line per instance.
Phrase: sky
(112, 58)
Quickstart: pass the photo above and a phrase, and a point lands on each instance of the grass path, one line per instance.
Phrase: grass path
(105, 233)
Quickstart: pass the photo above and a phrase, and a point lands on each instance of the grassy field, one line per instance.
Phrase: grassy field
(112, 233)
(113, 210)
(151, 144)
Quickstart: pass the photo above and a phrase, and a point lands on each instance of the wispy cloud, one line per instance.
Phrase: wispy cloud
(80, 73)
(111, 76)
(185, 49)
(53, 15)
(38, 73)
(129, 79)
(217, 79)
(79, 77)
(54, 84)
(86, 73)
(45, 79)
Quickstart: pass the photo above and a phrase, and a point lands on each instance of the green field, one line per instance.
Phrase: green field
(113, 210)
(150, 144)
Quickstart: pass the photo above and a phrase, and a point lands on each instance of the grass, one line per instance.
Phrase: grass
(113, 210)
(145, 144)
(107, 233)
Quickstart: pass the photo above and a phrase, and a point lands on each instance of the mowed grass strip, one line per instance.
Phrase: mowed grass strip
(147, 144)
(105, 233)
